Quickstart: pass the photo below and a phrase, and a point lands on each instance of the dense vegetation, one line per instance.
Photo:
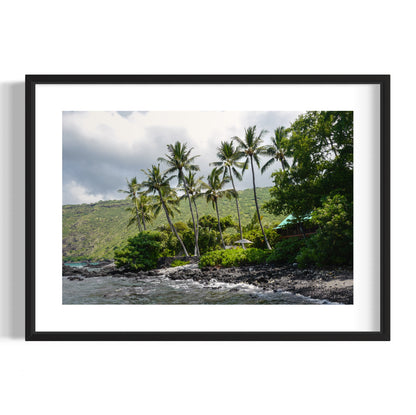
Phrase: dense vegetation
(313, 183)
(141, 251)
(234, 257)
(319, 182)
(91, 231)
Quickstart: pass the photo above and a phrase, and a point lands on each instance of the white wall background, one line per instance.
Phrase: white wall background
(210, 37)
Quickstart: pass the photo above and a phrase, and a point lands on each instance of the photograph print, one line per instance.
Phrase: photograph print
(207, 207)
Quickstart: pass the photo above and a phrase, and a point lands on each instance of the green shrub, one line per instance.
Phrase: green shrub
(141, 251)
(256, 236)
(333, 242)
(181, 227)
(286, 251)
(211, 259)
(208, 240)
(233, 257)
(178, 263)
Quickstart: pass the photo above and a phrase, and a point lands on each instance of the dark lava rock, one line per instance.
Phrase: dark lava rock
(75, 278)
(129, 275)
(67, 270)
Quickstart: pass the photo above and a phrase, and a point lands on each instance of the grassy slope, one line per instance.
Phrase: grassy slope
(93, 230)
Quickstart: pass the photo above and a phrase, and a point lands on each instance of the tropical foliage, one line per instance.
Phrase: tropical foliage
(214, 191)
(141, 251)
(311, 164)
(133, 194)
(229, 160)
(319, 180)
(252, 149)
(321, 148)
(158, 182)
(234, 257)
(91, 231)
(179, 161)
(333, 242)
(277, 150)
(286, 251)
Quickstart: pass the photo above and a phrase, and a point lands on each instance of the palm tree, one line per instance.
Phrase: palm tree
(179, 161)
(251, 147)
(132, 194)
(229, 159)
(216, 181)
(157, 182)
(276, 150)
(145, 209)
(194, 190)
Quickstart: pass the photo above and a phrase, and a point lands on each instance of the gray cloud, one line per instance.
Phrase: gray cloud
(102, 149)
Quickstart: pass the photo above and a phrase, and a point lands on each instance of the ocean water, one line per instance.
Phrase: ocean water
(162, 290)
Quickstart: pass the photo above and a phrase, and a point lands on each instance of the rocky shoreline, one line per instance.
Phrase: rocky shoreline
(334, 285)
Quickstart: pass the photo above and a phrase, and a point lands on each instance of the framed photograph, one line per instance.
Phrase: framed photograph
(207, 207)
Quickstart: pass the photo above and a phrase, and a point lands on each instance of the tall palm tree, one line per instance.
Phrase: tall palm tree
(132, 193)
(215, 183)
(194, 190)
(179, 161)
(276, 150)
(252, 149)
(229, 158)
(157, 182)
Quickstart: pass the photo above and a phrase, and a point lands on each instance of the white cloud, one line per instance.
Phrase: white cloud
(101, 149)
(75, 193)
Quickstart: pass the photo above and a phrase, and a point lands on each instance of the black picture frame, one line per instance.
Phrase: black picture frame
(384, 83)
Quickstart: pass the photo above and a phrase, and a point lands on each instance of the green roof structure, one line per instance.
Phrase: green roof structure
(291, 220)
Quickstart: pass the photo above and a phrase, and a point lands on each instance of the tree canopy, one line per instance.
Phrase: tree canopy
(320, 144)
(319, 182)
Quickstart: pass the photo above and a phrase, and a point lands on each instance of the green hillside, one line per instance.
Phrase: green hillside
(93, 230)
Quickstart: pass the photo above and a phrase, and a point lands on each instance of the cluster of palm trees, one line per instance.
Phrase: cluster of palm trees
(234, 157)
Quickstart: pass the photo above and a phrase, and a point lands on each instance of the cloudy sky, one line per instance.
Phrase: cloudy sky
(102, 149)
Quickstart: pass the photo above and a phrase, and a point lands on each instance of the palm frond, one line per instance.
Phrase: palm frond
(239, 164)
(241, 143)
(162, 160)
(285, 164)
(245, 166)
(132, 221)
(267, 165)
(237, 174)
(262, 133)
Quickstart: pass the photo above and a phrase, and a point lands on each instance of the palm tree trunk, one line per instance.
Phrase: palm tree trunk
(171, 225)
(196, 251)
(197, 225)
(144, 224)
(238, 208)
(219, 224)
(257, 205)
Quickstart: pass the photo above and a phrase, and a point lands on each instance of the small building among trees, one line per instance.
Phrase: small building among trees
(290, 227)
